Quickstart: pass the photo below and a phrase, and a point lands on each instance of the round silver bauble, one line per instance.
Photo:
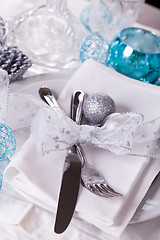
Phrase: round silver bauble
(97, 107)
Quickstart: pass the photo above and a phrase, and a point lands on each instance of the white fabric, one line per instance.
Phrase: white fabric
(38, 178)
(37, 225)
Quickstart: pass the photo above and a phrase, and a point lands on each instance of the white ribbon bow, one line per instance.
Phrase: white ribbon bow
(125, 133)
(53, 130)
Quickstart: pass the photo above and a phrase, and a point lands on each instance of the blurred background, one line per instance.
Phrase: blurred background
(154, 3)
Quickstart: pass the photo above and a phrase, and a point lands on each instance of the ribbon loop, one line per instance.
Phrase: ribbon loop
(53, 130)
(117, 134)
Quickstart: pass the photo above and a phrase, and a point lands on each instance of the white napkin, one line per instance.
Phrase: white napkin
(38, 178)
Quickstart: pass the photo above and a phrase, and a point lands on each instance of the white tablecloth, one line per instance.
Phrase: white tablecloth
(148, 230)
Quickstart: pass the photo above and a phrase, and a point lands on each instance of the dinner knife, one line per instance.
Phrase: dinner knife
(70, 180)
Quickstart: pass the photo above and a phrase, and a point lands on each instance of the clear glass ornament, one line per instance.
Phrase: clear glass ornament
(109, 17)
(49, 35)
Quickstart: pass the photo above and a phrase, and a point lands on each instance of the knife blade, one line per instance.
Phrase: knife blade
(68, 192)
(70, 179)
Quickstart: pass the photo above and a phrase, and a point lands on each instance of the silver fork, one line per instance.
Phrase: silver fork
(90, 178)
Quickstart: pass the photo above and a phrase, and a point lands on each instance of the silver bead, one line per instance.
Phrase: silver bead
(97, 107)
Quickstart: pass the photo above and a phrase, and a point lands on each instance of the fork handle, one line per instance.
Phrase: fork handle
(81, 155)
(76, 106)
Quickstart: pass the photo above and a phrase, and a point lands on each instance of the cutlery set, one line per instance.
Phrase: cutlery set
(77, 169)
(90, 178)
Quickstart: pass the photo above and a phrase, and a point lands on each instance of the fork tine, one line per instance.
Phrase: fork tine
(109, 189)
(116, 193)
(93, 189)
(104, 192)
(101, 192)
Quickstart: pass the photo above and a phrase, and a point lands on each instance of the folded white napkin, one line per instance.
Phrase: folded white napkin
(38, 178)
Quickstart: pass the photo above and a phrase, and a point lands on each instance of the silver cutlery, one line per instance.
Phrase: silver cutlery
(90, 178)
(70, 180)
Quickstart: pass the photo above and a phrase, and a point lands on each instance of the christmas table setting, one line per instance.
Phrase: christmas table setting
(124, 149)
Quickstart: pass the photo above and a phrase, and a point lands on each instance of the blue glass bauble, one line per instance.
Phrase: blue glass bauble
(7, 142)
(135, 53)
(95, 47)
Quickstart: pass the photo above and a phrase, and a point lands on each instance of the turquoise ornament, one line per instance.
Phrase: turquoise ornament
(135, 53)
(95, 47)
(7, 142)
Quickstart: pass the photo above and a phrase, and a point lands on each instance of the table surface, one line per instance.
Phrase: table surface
(148, 230)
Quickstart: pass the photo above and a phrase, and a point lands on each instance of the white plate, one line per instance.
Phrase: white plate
(150, 205)
(60, 79)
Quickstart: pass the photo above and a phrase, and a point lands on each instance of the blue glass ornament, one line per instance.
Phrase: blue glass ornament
(95, 47)
(135, 53)
(7, 142)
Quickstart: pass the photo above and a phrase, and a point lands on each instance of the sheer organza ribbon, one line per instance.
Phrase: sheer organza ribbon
(125, 133)
(52, 129)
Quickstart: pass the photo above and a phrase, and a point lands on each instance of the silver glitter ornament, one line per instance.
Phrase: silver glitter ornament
(97, 107)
